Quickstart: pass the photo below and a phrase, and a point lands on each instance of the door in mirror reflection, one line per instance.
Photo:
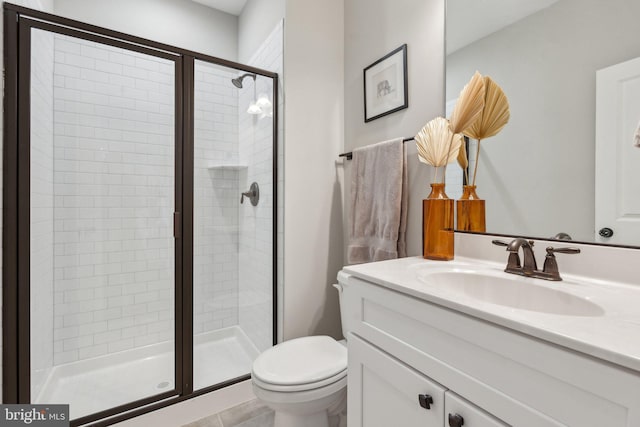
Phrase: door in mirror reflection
(618, 153)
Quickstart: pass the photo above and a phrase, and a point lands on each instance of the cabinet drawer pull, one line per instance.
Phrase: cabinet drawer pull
(425, 400)
(456, 420)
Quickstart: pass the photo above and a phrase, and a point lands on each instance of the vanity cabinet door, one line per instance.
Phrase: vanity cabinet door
(459, 412)
(384, 392)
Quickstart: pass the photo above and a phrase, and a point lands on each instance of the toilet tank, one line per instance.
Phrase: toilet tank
(343, 295)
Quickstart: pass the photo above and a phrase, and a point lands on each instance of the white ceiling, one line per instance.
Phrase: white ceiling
(233, 7)
(471, 20)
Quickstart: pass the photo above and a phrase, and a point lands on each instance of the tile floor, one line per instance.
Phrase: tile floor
(248, 414)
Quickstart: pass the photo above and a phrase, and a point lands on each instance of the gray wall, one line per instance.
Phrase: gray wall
(181, 23)
(255, 23)
(325, 53)
(537, 175)
(372, 29)
(314, 115)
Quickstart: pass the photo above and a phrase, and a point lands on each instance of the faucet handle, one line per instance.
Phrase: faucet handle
(503, 243)
(551, 250)
(550, 268)
(562, 236)
(514, 259)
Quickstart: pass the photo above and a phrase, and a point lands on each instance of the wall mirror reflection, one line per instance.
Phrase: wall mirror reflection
(566, 162)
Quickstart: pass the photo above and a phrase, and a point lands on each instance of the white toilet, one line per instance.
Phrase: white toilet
(304, 380)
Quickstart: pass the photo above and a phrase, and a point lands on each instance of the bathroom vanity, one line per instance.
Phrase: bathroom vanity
(463, 343)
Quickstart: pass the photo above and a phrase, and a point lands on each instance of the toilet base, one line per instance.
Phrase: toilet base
(313, 408)
(334, 416)
(284, 419)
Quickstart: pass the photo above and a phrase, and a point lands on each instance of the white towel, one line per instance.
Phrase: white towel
(636, 139)
(378, 219)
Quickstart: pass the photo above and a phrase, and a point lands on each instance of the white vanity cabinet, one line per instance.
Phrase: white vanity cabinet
(384, 392)
(459, 412)
(402, 346)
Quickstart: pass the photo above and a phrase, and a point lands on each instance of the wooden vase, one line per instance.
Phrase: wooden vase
(437, 225)
(470, 211)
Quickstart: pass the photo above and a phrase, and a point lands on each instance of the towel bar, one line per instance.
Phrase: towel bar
(349, 155)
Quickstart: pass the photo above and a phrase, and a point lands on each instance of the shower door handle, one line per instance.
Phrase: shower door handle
(177, 225)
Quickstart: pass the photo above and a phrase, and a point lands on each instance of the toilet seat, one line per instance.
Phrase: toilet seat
(301, 387)
(301, 364)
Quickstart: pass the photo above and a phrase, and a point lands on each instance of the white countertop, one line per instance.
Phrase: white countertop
(613, 336)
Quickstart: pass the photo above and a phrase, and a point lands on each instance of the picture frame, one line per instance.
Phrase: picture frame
(386, 87)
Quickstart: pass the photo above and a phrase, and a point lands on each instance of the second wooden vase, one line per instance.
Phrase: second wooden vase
(470, 211)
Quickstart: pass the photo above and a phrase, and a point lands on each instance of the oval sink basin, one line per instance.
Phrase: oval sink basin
(516, 292)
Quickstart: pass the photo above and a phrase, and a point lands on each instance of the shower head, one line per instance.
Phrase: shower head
(237, 82)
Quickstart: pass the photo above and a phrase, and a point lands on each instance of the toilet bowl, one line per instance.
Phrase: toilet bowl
(304, 380)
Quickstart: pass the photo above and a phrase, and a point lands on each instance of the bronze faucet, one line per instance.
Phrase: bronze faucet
(530, 268)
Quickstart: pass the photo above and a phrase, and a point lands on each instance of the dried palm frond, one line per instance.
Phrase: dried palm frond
(495, 114)
(434, 143)
(437, 145)
(469, 105)
(463, 159)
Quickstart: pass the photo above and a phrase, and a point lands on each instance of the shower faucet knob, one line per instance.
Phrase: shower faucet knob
(253, 194)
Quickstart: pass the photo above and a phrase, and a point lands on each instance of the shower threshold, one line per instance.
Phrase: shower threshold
(100, 383)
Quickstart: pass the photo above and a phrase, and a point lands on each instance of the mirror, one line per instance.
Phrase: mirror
(540, 174)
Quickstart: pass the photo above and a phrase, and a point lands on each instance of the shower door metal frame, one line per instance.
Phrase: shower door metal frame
(20, 168)
(18, 22)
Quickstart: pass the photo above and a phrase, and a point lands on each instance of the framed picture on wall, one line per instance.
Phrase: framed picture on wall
(385, 85)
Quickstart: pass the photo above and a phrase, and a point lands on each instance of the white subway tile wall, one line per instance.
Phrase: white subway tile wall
(41, 200)
(216, 198)
(256, 223)
(114, 199)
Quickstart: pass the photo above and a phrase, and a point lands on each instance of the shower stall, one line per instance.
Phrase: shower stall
(140, 218)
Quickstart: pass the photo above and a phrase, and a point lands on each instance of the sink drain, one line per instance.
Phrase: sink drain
(163, 384)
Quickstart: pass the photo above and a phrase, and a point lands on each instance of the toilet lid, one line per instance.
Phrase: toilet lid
(301, 361)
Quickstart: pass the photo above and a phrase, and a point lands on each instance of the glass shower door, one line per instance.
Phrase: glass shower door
(102, 250)
(233, 232)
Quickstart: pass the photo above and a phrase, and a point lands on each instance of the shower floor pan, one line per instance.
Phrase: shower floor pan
(94, 385)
